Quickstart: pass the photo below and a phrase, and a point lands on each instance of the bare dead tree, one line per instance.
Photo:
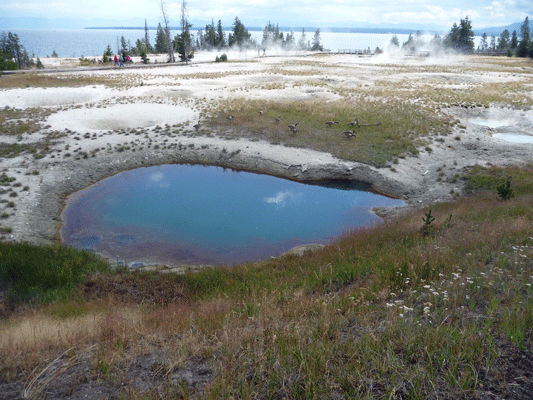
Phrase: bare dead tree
(185, 47)
(146, 36)
(184, 14)
(170, 47)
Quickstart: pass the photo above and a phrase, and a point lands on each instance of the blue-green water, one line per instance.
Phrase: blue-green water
(195, 214)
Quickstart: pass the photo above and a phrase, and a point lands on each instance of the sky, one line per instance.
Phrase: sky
(420, 14)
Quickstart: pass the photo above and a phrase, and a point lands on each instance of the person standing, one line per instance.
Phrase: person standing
(116, 60)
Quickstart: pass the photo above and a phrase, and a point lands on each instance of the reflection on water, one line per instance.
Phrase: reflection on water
(183, 214)
(513, 137)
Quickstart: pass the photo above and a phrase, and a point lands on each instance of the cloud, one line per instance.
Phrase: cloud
(317, 13)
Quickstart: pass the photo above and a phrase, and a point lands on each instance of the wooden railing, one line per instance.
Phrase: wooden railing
(352, 51)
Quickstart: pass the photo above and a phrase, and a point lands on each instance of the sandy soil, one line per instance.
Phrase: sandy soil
(97, 120)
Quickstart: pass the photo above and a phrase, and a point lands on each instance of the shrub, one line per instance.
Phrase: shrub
(144, 57)
(505, 191)
(222, 58)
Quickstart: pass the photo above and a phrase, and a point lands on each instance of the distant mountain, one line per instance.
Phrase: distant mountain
(310, 30)
(497, 30)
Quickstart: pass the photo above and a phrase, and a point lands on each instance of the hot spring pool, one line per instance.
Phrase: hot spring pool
(191, 214)
(514, 137)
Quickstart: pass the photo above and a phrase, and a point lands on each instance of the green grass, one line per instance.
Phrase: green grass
(45, 273)
(402, 131)
(386, 312)
(395, 311)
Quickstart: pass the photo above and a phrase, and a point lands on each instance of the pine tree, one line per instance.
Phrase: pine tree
(514, 40)
(108, 52)
(240, 36)
(523, 47)
(461, 37)
(146, 40)
(124, 48)
(492, 43)
(436, 43)
(266, 40)
(160, 40)
(210, 37)
(466, 36)
(14, 54)
(182, 42)
(220, 38)
(504, 40)
(289, 41)
(483, 45)
(316, 42)
(302, 41)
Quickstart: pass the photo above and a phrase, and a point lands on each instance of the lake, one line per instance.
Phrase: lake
(192, 214)
(93, 42)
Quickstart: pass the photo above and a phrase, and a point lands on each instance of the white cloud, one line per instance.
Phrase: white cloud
(317, 13)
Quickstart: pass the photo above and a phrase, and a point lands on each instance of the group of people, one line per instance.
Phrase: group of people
(121, 59)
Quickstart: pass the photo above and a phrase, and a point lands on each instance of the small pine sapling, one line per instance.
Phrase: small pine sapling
(505, 191)
(428, 220)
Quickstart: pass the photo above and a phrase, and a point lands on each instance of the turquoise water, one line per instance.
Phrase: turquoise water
(185, 214)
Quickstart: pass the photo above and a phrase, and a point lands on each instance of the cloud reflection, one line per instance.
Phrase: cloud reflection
(158, 180)
(281, 199)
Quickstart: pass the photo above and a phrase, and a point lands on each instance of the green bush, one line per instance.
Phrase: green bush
(222, 58)
(505, 191)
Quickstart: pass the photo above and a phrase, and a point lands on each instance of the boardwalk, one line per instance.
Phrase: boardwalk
(355, 51)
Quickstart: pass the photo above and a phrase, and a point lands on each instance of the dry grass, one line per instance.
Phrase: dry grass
(402, 129)
(36, 79)
(386, 312)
